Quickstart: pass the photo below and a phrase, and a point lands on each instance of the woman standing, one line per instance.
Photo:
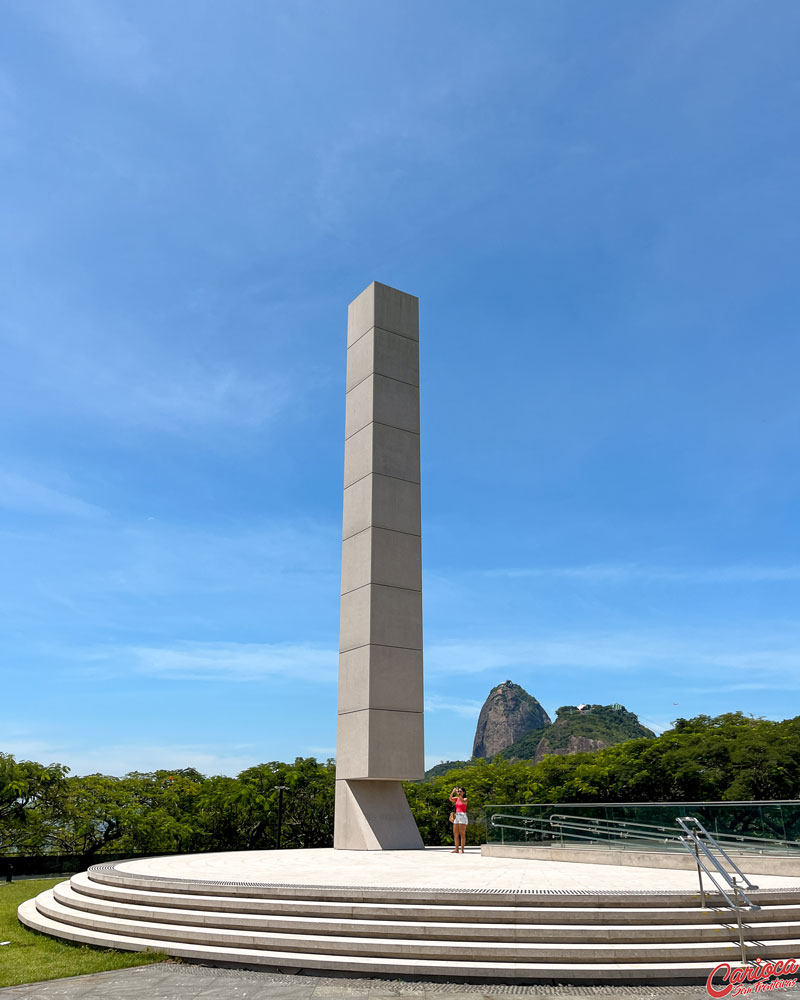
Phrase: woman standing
(459, 797)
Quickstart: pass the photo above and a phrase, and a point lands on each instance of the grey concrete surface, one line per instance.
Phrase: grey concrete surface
(383, 307)
(384, 354)
(385, 400)
(374, 816)
(192, 982)
(432, 872)
(380, 731)
(377, 501)
(382, 616)
(381, 677)
(378, 555)
(387, 740)
(379, 449)
(753, 864)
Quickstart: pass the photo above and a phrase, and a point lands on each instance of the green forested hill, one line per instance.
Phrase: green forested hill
(524, 749)
(445, 767)
(606, 723)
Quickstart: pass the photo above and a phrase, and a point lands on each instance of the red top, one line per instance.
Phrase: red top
(461, 806)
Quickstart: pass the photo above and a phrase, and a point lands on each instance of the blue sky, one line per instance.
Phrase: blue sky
(598, 207)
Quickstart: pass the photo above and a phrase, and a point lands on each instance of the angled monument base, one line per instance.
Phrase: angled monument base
(374, 816)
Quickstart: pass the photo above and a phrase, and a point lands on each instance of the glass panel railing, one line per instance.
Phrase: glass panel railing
(771, 828)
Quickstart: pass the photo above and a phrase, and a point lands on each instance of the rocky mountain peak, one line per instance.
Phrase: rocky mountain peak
(507, 714)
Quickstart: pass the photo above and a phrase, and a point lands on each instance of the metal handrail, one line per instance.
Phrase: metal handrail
(694, 840)
(524, 819)
(624, 829)
(715, 842)
(650, 804)
(642, 829)
(575, 826)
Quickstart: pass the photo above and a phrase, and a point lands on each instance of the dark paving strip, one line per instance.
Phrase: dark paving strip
(197, 982)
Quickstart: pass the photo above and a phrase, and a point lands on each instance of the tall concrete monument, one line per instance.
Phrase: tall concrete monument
(380, 731)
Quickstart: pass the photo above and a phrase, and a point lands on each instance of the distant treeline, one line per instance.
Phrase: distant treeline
(45, 810)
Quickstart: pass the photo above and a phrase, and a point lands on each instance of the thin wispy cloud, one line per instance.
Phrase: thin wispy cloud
(123, 379)
(413, 146)
(22, 494)
(777, 660)
(771, 681)
(102, 40)
(777, 653)
(9, 116)
(219, 661)
(171, 579)
(118, 759)
(198, 397)
(467, 708)
(635, 573)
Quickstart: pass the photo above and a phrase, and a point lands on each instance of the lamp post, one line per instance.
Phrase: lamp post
(281, 790)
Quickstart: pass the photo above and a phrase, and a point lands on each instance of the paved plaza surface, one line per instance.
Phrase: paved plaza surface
(427, 871)
(435, 868)
(190, 982)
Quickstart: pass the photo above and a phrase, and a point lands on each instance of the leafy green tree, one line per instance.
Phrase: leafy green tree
(256, 804)
(162, 812)
(484, 782)
(148, 813)
(242, 813)
(24, 788)
(307, 803)
(728, 758)
(88, 814)
(217, 824)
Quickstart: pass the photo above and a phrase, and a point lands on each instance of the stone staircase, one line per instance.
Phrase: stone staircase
(484, 935)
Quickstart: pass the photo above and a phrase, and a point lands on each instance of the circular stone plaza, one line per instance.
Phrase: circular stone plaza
(427, 914)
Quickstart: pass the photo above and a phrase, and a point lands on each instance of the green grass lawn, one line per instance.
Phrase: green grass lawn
(32, 957)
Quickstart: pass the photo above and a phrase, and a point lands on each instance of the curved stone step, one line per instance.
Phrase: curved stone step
(530, 972)
(111, 874)
(530, 932)
(428, 910)
(454, 952)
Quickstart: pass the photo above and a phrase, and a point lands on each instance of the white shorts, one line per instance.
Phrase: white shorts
(460, 820)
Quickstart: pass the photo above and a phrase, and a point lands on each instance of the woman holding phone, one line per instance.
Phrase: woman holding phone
(459, 817)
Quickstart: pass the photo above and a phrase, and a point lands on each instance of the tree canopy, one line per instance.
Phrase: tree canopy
(43, 809)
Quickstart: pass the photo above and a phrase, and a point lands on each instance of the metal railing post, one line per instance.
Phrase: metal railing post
(742, 947)
(693, 840)
(700, 878)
